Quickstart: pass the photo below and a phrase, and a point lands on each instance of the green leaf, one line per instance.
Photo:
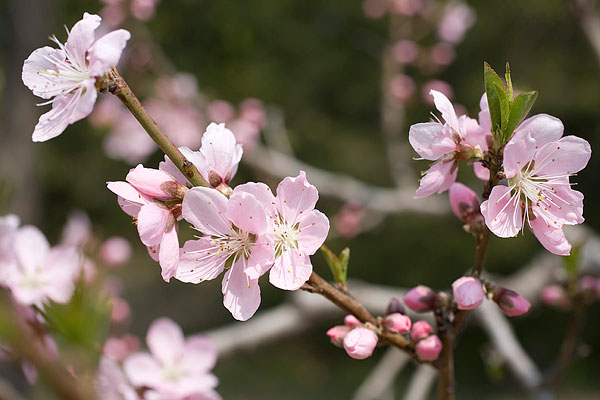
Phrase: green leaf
(498, 101)
(338, 265)
(344, 259)
(509, 84)
(519, 111)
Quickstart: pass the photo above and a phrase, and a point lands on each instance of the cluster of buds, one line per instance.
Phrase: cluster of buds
(469, 293)
(357, 339)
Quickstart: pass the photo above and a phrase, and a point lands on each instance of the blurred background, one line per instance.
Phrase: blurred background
(335, 85)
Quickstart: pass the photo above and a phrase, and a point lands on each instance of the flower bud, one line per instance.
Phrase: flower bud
(420, 330)
(421, 298)
(397, 323)
(351, 321)
(395, 306)
(464, 202)
(360, 342)
(556, 296)
(587, 283)
(115, 251)
(429, 348)
(510, 302)
(468, 293)
(337, 334)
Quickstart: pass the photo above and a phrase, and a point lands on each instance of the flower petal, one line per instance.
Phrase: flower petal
(312, 232)
(262, 256)
(45, 85)
(430, 140)
(263, 194)
(241, 294)
(291, 270)
(220, 152)
(200, 355)
(502, 212)
(106, 51)
(437, 179)
(543, 128)
(206, 209)
(31, 247)
(481, 172)
(148, 180)
(563, 157)
(518, 152)
(151, 224)
(142, 370)
(199, 261)
(295, 196)
(553, 239)
(165, 340)
(81, 38)
(60, 270)
(247, 213)
(168, 254)
(446, 108)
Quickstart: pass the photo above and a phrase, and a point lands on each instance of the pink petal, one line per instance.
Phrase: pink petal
(220, 151)
(148, 180)
(502, 213)
(312, 232)
(437, 179)
(295, 196)
(199, 261)
(481, 172)
(247, 213)
(61, 268)
(241, 294)
(563, 157)
(461, 194)
(151, 224)
(165, 340)
(291, 270)
(127, 192)
(553, 239)
(430, 140)
(474, 134)
(81, 37)
(543, 128)
(199, 355)
(142, 370)
(561, 206)
(263, 194)
(484, 115)
(42, 84)
(262, 256)
(206, 209)
(446, 108)
(31, 247)
(168, 254)
(195, 157)
(106, 52)
(518, 152)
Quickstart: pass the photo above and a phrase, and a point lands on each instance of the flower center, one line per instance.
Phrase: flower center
(234, 246)
(285, 237)
(173, 372)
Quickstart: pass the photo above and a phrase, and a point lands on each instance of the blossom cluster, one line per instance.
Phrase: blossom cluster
(247, 231)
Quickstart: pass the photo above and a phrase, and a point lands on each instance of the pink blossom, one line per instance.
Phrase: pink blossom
(338, 333)
(237, 235)
(397, 323)
(220, 111)
(458, 138)
(442, 54)
(406, 7)
(351, 321)
(402, 87)
(587, 283)
(437, 85)
(246, 126)
(429, 348)
(538, 164)
(143, 197)
(8, 229)
(555, 295)
(78, 229)
(67, 76)
(420, 330)
(298, 229)
(143, 9)
(360, 342)
(175, 368)
(349, 219)
(120, 348)
(405, 51)
(181, 121)
(38, 273)
(111, 383)
(468, 293)
(374, 9)
(115, 251)
(458, 18)
(420, 298)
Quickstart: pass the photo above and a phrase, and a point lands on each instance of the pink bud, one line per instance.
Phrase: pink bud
(463, 201)
(420, 298)
(555, 295)
(337, 334)
(397, 323)
(511, 303)
(360, 343)
(395, 306)
(420, 330)
(120, 310)
(468, 293)
(351, 321)
(115, 251)
(405, 51)
(587, 283)
(429, 349)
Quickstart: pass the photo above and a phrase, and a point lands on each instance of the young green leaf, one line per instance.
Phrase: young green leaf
(519, 111)
(509, 84)
(497, 98)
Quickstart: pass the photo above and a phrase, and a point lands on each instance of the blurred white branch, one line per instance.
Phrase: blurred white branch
(380, 382)
(420, 384)
(587, 15)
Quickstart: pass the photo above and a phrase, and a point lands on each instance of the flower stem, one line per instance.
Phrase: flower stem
(117, 86)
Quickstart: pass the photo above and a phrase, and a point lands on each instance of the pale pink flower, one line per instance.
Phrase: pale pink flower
(458, 138)
(421, 298)
(402, 87)
(398, 323)
(537, 164)
(67, 76)
(429, 348)
(220, 111)
(555, 295)
(406, 7)
(115, 251)
(374, 9)
(442, 54)
(246, 126)
(78, 229)
(120, 348)
(405, 51)
(360, 342)
(348, 221)
(458, 18)
(8, 229)
(420, 330)
(38, 273)
(298, 229)
(144, 197)
(237, 236)
(468, 293)
(143, 9)
(111, 383)
(176, 368)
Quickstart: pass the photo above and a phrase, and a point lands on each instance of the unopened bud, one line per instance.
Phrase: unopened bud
(510, 302)
(397, 323)
(174, 189)
(421, 298)
(420, 330)
(115, 251)
(395, 306)
(360, 342)
(337, 334)
(468, 293)
(351, 321)
(556, 296)
(429, 349)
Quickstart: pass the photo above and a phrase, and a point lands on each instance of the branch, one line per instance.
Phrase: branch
(589, 21)
(420, 384)
(382, 377)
